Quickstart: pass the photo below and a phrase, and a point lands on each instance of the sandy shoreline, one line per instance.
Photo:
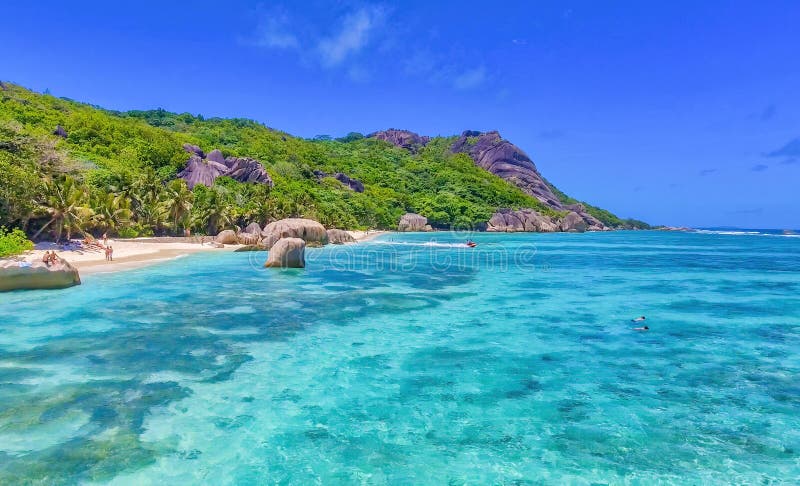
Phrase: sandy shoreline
(136, 253)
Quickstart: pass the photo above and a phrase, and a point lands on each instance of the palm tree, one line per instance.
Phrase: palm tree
(215, 213)
(111, 210)
(146, 194)
(66, 202)
(178, 201)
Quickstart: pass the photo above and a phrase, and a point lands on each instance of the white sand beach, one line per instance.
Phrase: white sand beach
(138, 252)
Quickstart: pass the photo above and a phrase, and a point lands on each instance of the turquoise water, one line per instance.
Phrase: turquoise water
(402, 362)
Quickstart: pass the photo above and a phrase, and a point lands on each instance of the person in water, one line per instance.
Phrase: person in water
(643, 328)
(638, 319)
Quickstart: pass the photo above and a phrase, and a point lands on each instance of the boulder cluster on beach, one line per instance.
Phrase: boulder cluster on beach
(286, 239)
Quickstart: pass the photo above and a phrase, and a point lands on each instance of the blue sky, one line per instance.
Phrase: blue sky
(681, 112)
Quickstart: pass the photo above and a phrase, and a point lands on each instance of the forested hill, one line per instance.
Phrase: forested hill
(69, 167)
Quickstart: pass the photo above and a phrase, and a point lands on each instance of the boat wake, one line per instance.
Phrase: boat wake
(427, 244)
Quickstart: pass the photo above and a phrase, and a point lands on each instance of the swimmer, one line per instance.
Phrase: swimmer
(638, 319)
(643, 328)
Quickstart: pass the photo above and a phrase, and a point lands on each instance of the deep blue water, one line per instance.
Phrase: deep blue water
(405, 362)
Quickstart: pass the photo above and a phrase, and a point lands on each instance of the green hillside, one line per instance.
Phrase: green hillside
(116, 172)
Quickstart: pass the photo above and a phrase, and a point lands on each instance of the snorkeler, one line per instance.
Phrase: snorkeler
(643, 328)
(638, 319)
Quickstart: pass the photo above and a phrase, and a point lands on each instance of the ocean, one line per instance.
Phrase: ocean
(415, 360)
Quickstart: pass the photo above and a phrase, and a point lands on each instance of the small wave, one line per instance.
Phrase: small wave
(428, 244)
(745, 233)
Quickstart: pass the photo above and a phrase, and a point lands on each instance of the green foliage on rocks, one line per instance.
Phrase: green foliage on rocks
(115, 172)
(13, 242)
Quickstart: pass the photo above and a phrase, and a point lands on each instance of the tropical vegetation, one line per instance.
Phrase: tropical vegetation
(68, 168)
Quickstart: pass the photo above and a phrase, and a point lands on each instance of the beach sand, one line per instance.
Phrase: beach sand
(135, 253)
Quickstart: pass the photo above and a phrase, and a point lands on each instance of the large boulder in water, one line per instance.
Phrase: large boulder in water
(308, 230)
(412, 222)
(574, 223)
(21, 275)
(287, 253)
(339, 237)
(227, 237)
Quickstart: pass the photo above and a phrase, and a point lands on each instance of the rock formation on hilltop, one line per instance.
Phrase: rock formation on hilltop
(352, 184)
(402, 138)
(204, 168)
(506, 160)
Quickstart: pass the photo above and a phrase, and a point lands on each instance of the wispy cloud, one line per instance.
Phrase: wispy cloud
(706, 172)
(470, 79)
(759, 168)
(363, 42)
(768, 113)
(274, 31)
(791, 149)
(352, 36)
(436, 69)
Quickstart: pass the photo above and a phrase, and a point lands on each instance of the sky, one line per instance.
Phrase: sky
(677, 113)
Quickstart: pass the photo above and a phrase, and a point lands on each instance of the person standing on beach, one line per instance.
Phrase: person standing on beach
(110, 254)
(105, 239)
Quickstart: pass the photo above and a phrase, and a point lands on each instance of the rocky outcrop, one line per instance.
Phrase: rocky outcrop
(16, 275)
(308, 230)
(287, 253)
(402, 138)
(573, 222)
(506, 160)
(507, 220)
(254, 228)
(339, 237)
(201, 171)
(413, 222)
(593, 224)
(248, 238)
(194, 149)
(60, 132)
(204, 168)
(346, 180)
(227, 237)
(216, 156)
(247, 170)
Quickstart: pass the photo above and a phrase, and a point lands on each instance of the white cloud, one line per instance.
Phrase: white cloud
(353, 36)
(470, 79)
(273, 31)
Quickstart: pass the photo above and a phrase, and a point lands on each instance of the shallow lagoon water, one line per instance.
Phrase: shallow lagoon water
(406, 362)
